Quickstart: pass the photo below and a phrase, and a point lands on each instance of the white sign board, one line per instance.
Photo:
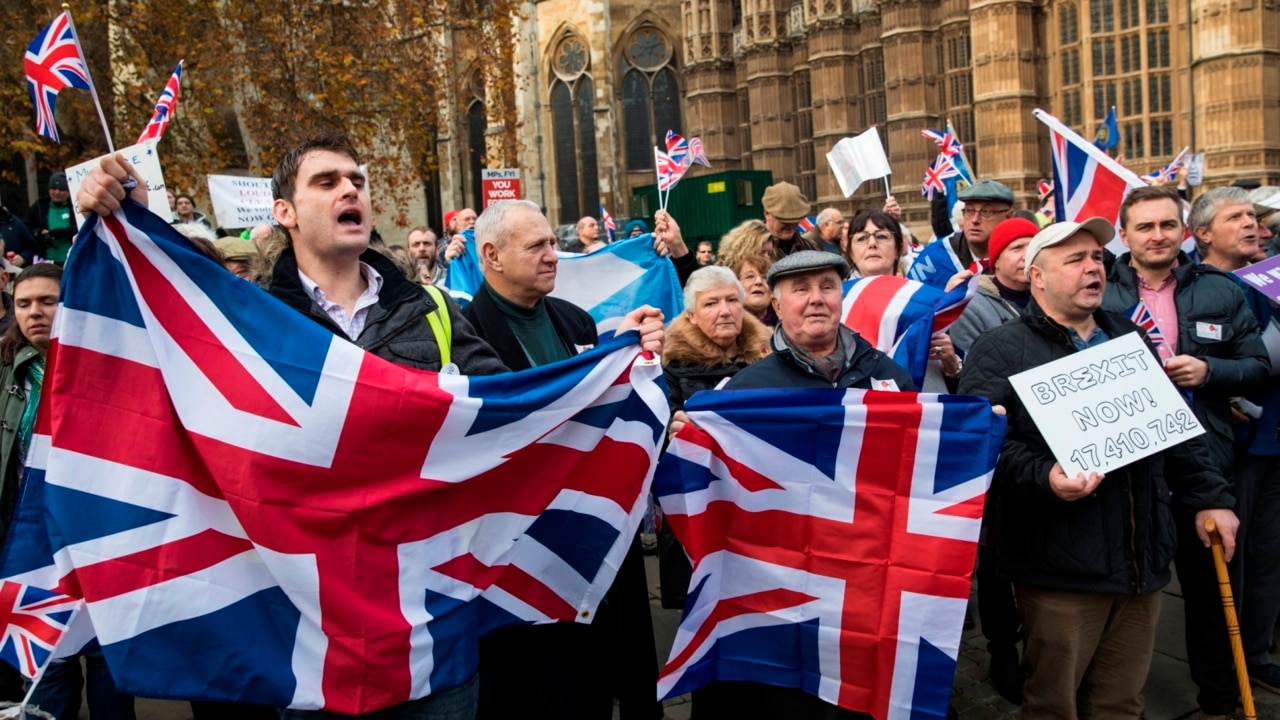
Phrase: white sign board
(241, 202)
(1195, 169)
(1105, 407)
(144, 159)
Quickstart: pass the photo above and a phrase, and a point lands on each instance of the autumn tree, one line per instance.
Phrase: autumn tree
(260, 76)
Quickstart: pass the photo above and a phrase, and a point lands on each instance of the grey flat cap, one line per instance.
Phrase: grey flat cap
(987, 190)
(806, 261)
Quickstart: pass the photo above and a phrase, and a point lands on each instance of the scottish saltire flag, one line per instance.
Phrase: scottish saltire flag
(832, 534)
(1108, 135)
(898, 316)
(1087, 183)
(608, 283)
(678, 149)
(609, 225)
(1141, 316)
(698, 153)
(1168, 172)
(216, 460)
(613, 281)
(53, 61)
(164, 107)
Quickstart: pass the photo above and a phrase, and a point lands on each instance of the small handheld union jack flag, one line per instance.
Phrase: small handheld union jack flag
(164, 107)
(946, 141)
(1170, 171)
(936, 175)
(678, 148)
(697, 153)
(32, 621)
(1141, 316)
(53, 61)
(609, 225)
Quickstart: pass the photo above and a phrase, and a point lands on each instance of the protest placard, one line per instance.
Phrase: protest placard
(1105, 407)
(499, 184)
(1263, 277)
(240, 202)
(144, 159)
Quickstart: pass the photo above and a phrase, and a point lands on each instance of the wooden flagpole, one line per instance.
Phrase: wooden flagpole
(1233, 624)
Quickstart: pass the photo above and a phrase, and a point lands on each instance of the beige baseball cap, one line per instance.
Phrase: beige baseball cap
(1101, 229)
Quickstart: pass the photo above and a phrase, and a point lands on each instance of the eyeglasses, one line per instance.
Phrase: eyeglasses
(985, 214)
(881, 238)
(749, 278)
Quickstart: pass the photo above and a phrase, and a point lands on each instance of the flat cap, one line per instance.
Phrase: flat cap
(233, 248)
(806, 261)
(986, 190)
(785, 202)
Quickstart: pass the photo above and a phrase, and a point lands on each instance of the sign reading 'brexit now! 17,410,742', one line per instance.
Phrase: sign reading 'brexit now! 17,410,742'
(499, 184)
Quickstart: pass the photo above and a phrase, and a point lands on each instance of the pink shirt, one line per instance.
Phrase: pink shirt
(1159, 302)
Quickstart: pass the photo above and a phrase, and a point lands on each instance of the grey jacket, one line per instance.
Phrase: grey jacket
(985, 311)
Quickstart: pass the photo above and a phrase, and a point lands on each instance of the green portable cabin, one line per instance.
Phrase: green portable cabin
(708, 205)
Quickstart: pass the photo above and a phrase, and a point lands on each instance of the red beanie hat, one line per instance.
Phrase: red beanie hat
(1005, 233)
(448, 218)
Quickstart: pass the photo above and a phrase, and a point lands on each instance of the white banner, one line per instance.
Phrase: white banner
(144, 159)
(1105, 407)
(858, 159)
(241, 202)
(1195, 169)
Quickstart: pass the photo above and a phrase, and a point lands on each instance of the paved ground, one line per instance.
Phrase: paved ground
(1170, 693)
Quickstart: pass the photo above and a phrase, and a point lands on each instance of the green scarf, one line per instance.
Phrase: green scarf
(35, 378)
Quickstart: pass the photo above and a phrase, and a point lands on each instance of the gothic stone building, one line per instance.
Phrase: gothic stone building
(774, 84)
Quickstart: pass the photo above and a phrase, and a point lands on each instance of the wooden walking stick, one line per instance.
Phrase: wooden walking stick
(1233, 624)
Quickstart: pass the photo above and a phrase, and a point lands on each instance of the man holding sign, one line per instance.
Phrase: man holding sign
(1088, 553)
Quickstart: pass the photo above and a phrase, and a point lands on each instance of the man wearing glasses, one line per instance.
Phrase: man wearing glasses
(985, 205)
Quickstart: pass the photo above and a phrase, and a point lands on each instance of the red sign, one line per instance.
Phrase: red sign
(501, 184)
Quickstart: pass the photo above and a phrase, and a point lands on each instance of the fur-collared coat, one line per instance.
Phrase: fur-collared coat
(692, 362)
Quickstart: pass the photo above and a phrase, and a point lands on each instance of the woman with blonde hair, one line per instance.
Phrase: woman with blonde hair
(749, 239)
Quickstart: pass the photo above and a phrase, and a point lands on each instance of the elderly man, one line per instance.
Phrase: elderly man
(827, 230)
(784, 207)
(1087, 554)
(328, 273)
(810, 349)
(455, 221)
(424, 250)
(1225, 238)
(567, 670)
(986, 204)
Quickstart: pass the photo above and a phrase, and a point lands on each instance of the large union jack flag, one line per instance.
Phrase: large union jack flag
(833, 535)
(53, 61)
(898, 316)
(1086, 181)
(164, 107)
(219, 467)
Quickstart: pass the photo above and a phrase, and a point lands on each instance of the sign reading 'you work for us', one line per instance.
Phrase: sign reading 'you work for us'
(1105, 407)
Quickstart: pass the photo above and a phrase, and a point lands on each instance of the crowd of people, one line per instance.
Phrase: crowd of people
(1070, 569)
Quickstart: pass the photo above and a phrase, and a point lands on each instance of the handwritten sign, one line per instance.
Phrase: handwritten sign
(144, 159)
(241, 202)
(1105, 407)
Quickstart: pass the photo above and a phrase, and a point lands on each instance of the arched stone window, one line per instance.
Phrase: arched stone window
(477, 127)
(573, 129)
(650, 94)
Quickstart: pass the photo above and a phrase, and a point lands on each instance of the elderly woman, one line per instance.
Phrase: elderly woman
(710, 341)
(810, 348)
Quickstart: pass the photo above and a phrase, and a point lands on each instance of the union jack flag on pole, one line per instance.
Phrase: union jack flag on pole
(1141, 316)
(832, 535)
(935, 175)
(698, 153)
(678, 148)
(1086, 181)
(948, 144)
(669, 173)
(164, 107)
(214, 460)
(609, 225)
(54, 61)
